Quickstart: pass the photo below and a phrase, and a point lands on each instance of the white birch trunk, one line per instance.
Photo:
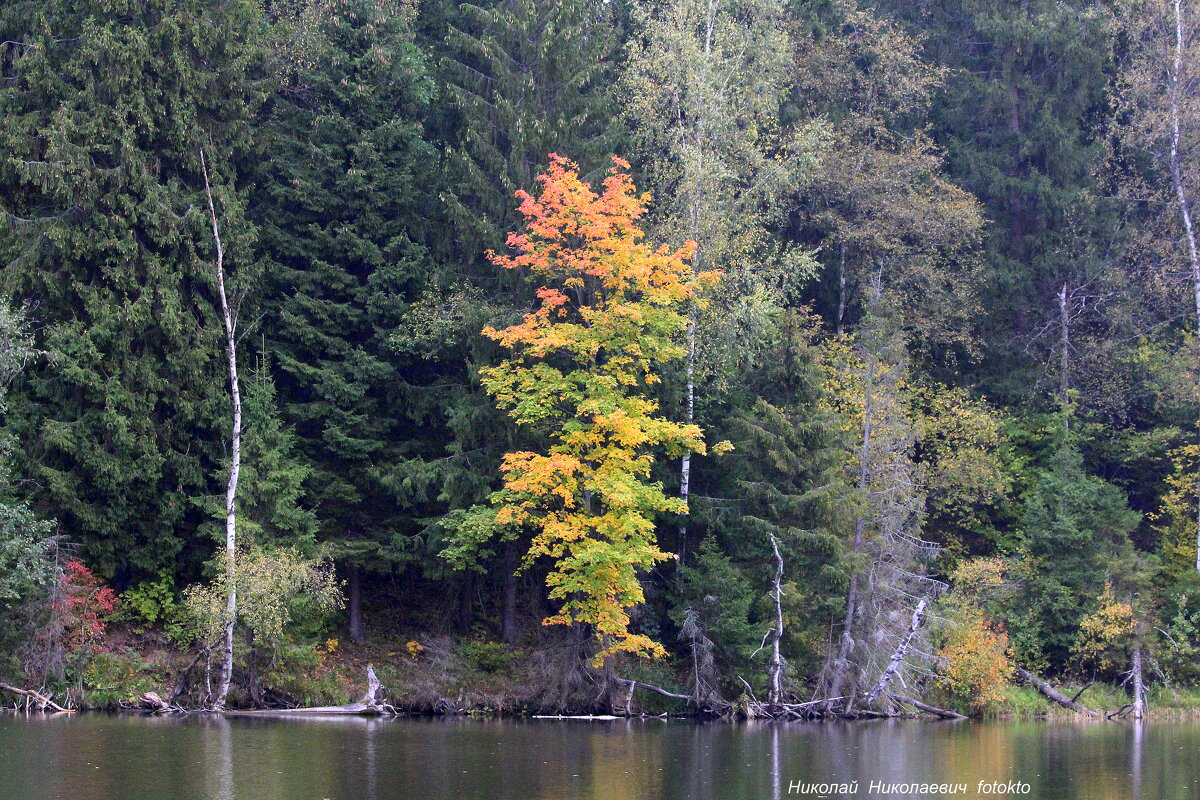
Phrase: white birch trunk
(1181, 194)
(1139, 686)
(1064, 379)
(898, 656)
(775, 673)
(685, 464)
(226, 675)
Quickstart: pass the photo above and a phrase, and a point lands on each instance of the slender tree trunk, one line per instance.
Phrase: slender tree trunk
(685, 465)
(1139, 685)
(841, 306)
(253, 686)
(355, 603)
(508, 619)
(235, 457)
(1181, 195)
(466, 613)
(775, 672)
(1064, 378)
(898, 656)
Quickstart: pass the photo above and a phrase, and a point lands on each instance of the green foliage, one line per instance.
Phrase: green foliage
(341, 200)
(112, 678)
(275, 589)
(720, 596)
(1076, 535)
(525, 78)
(487, 656)
(102, 196)
(786, 471)
(27, 569)
(1021, 122)
(151, 602)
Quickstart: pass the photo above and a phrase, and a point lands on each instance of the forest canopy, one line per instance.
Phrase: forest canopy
(802, 349)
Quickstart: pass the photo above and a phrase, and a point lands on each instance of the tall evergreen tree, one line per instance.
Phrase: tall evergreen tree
(106, 105)
(341, 203)
(526, 78)
(1076, 529)
(786, 464)
(1022, 123)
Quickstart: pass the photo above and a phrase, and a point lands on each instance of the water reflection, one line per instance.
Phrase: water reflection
(1136, 758)
(97, 757)
(220, 743)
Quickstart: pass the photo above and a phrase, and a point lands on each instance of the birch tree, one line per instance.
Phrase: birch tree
(703, 88)
(1161, 101)
(880, 200)
(229, 317)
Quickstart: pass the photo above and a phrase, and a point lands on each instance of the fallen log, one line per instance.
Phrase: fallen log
(1055, 695)
(712, 704)
(593, 717)
(928, 709)
(29, 694)
(823, 700)
(653, 688)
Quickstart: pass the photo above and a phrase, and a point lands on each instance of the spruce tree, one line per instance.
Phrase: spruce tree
(786, 466)
(1021, 121)
(342, 202)
(1076, 531)
(106, 106)
(526, 78)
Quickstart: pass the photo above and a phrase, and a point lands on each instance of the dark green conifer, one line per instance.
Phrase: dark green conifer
(105, 106)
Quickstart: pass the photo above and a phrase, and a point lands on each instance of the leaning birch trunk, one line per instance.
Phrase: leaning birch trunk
(1139, 686)
(1181, 196)
(226, 676)
(775, 672)
(898, 657)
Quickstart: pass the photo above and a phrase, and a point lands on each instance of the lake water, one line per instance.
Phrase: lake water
(100, 757)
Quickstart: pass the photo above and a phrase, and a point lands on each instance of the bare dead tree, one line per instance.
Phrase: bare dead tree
(1139, 685)
(888, 556)
(1064, 379)
(775, 669)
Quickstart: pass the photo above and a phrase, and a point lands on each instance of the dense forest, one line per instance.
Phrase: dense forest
(764, 352)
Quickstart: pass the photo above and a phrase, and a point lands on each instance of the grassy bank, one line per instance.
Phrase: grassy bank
(1025, 703)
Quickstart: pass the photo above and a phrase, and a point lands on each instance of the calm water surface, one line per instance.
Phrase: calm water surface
(98, 757)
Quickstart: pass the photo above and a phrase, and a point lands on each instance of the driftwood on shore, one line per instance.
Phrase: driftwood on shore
(1055, 695)
(371, 704)
(151, 701)
(31, 696)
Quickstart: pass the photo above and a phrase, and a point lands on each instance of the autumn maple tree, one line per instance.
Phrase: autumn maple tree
(609, 314)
